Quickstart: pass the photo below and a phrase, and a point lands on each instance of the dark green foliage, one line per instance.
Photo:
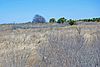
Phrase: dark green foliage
(52, 20)
(90, 20)
(72, 22)
(61, 20)
(97, 19)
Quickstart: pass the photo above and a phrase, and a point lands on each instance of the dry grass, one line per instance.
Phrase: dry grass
(73, 46)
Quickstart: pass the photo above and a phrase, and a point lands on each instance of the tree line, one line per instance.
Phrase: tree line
(90, 20)
(41, 19)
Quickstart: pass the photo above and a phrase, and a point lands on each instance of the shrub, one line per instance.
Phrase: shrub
(52, 20)
(61, 20)
(72, 22)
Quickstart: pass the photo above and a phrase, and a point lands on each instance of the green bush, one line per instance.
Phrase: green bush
(61, 20)
(52, 20)
(72, 22)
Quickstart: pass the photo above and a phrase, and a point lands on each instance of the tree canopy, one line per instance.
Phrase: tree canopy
(52, 20)
(90, 20)
(38, 19)
(61, 20)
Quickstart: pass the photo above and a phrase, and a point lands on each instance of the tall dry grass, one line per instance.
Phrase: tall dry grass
(75, 46)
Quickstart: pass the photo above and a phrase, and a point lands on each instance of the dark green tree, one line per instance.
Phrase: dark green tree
(72, 22)
(61, 20)
(52, 20)
(98, 19)
(90, 20)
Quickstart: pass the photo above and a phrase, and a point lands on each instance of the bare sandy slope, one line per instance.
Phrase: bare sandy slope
(76, 46)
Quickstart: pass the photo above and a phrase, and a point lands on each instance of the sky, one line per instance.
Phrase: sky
(19, 11)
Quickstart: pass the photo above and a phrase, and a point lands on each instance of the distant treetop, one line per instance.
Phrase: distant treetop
(38, 19)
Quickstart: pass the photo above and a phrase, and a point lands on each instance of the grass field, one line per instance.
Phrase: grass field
(52, 46)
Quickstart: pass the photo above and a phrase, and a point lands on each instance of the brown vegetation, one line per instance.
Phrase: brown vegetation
(74, 46)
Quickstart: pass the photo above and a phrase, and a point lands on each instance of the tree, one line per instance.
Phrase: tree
(52, 20)
(72, 22)
(61, 20)
(91, 20)
(97, 19)
(38, 19)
